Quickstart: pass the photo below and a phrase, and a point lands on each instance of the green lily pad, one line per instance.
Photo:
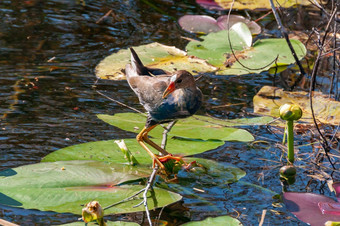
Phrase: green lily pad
(216, 50)
(259, 4)
(209, 174)
(264, 120)
(153, 55)
(203, 129)
(269, 99)
(65, 186)
(109, 151)
(108, 223)
(222, 220)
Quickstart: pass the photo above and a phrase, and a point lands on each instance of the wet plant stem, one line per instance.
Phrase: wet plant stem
(290, 141)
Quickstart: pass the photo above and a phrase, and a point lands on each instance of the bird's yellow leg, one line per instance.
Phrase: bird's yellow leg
(140, 139)
(151, 143)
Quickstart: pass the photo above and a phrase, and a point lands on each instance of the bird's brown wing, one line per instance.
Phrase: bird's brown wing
(149, 89)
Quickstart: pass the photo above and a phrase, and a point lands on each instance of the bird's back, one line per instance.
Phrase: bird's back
(149, 89)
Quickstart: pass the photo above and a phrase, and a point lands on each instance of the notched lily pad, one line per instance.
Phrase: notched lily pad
(216, 50)
(269, 99)
(153, 55)
(65, 186)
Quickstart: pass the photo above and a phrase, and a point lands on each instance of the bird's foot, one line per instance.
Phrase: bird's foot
(169, 164)
(164, 159)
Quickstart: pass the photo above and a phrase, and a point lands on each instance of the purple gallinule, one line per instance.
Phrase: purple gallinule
(165, 96)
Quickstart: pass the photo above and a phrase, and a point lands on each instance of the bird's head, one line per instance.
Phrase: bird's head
(181, 79)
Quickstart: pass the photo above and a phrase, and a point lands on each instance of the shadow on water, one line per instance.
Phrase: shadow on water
(48, 52)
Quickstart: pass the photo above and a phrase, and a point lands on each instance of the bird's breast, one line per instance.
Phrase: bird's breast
(180, 104)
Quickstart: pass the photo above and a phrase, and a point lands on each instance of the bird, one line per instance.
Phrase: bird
(165, 96)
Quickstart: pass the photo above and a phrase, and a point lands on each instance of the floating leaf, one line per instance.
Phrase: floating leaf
(209, 4)
(187, 128)
(243, 31)
(259, 4)
(153, 55)
(269, 99)
(210, 174)
(216, 50)
(65, 186)
(108, 151)
(222, 220)
(207, 24)
(264, 120)
(305, 206)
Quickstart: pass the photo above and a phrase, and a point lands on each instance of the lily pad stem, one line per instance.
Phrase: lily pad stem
(290, 141)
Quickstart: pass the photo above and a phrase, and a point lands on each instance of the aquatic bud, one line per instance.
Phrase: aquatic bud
(290, 112)
(288, 174)
(92, 211)
(287, 171)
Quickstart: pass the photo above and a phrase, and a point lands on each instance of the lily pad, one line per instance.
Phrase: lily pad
(207, 24)
(153, 55)
(216, 50)
(210, 174)
(243, 31)
(269, 99)
(305, 206)
(264, 120)
(108, 151)
(187, 128)
(65, 186)
(209, 4)
(259, 4)
(222, 220)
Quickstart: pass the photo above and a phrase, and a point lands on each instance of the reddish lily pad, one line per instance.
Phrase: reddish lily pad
(305, 206)
(207, 24)
(209, 4)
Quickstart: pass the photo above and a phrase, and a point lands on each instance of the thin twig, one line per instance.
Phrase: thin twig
(145, 198)
(231, 47)
(262, 217)
(124, 200)
(165, 133)
(324, 144)
(103, 17)
(285, 34)
(258, 19)
(120, 103)
(334, 62)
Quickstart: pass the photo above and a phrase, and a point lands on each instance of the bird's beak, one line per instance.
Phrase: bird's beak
(169, 90)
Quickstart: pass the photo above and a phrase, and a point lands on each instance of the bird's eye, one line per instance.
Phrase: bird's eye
(179, 81)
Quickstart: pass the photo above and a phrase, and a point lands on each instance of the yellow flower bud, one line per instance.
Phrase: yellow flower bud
(290, 112)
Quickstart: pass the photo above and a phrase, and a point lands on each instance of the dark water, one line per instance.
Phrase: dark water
(48, 52)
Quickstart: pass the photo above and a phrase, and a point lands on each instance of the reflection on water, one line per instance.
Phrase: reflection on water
(48, 52)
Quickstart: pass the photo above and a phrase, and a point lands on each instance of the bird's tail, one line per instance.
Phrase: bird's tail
(137, 65)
